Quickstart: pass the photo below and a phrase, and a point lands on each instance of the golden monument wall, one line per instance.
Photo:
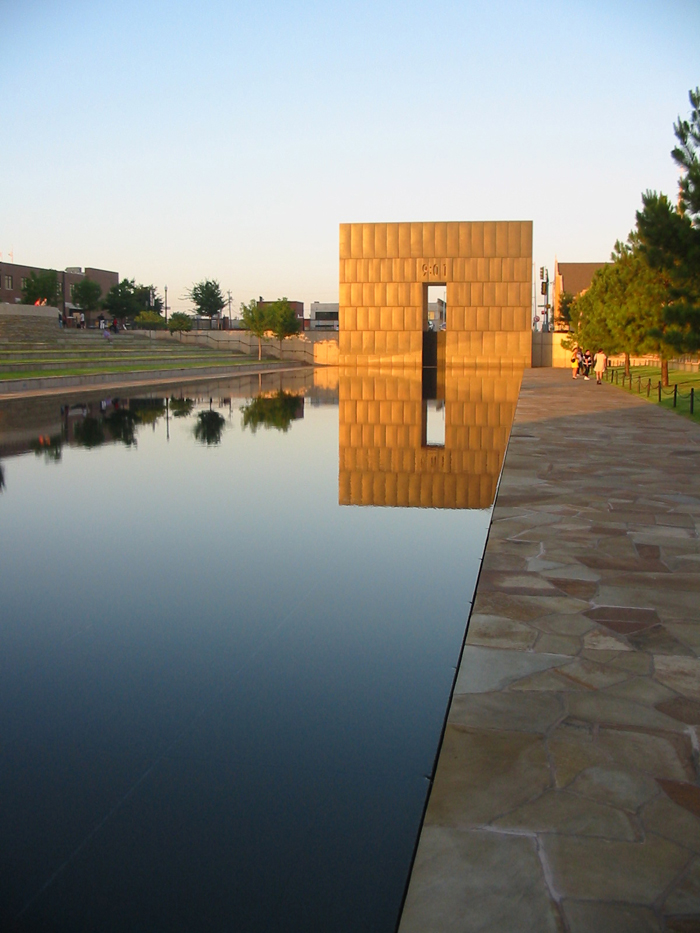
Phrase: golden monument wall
(383, 455)
(385, 269)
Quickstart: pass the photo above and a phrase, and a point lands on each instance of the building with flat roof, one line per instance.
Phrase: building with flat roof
(13, 277)
(323, 315)
(574, 278)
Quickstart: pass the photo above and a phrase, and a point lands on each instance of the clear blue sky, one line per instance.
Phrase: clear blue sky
(174, 141)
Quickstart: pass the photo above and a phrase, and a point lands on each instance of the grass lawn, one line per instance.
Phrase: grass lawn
(642, 375)
(90, 370)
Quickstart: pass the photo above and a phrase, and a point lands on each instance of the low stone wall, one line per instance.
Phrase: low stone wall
(321, 348)
(548, 351)
(28, 322)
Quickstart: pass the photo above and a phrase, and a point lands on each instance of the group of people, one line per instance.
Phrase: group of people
(583, 360)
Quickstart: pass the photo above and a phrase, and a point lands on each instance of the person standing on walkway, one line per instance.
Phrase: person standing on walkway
(587, 363)
(574, 364)
(601, 364)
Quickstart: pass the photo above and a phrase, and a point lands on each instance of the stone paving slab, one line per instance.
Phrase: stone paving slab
(567, 791)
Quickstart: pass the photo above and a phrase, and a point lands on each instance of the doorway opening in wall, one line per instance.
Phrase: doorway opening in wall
(434, 322)
(436, 300)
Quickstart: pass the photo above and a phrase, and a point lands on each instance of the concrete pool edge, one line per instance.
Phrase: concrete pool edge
(566, 791)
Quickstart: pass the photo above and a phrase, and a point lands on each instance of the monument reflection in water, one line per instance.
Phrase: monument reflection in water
(390, 449)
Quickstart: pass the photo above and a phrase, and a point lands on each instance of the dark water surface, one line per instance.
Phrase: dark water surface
(221, 691)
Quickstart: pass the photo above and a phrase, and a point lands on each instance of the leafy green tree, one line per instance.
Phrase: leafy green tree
(40, 287)
(564, 310)
(623, 310)
(207, 298)
(87, 294)
(283, 321)
(209, 427)
(123, 300)
(179, 321)
(276, 411)
(670, 238)
(256, 319)
(150, 320)
(149, 299)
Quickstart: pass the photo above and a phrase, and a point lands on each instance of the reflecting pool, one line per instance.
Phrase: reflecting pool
(230, 618)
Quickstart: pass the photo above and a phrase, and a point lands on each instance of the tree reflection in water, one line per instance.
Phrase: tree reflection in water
(2, 477)
(209, 427)
(278, 411)
(181, 407)
(89, 432)
(122, 425)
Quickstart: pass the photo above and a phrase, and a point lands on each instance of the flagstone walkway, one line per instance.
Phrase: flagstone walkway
(567, 793)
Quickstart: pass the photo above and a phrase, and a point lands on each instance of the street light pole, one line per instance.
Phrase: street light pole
(166, 304)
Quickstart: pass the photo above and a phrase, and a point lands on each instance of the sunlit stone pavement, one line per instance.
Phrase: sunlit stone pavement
(567, 792)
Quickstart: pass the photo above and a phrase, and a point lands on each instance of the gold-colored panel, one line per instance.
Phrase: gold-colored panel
(356, 294)
(455, 317)
(356, 241)
(526, 239)
(350, 318)
(385, 318)
(490, 248)
(466, 246)
(495, 318)
(397, 319)
(345, 248)
(489, 293)
(440, 248)
(507, 318)
(380, 294)
(452, 234)
(501, 239)
(501, 292)
(416, 240)
(512, 293)
(404, 293)
(375, 270)
(477, 240)
(367, 294)
(380, 241)
(482, 318)
(428, 240)
(392, 241)
(514, 234)
(362, 318)
(404, 240)
(368, 241)
(495, 269)
(482, 270)
(477, 294)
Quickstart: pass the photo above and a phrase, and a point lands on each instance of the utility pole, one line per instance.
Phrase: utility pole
(166, 304)
(544, 289)
(230, 299)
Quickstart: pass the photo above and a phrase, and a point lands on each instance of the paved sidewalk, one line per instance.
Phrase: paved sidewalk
(567, 796)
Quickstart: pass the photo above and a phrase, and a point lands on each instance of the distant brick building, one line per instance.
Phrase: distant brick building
(13, 277)
(574, 278)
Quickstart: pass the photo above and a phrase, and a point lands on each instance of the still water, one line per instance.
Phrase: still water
(229, 629)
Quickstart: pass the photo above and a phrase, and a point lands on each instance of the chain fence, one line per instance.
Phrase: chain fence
(644, 386)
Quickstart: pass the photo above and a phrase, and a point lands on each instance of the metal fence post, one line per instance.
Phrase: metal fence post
(648, 388)
(675, 394)
(692, 399)
(659, 391)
